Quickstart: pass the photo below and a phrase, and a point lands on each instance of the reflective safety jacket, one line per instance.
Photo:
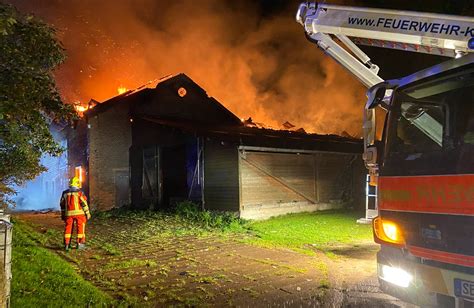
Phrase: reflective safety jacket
(74, 203)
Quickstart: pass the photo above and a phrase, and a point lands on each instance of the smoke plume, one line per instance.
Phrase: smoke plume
(255, 64)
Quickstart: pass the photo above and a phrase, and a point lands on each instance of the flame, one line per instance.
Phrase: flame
(78, 172)
(121, 90)
(80, 108)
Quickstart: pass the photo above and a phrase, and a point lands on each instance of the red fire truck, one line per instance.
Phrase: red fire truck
(424, 163)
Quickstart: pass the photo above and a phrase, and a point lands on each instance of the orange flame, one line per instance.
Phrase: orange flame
(78, 172)
(80, 108)
(121, 90)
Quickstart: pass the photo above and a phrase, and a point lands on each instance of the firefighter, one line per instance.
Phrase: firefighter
(74, 209)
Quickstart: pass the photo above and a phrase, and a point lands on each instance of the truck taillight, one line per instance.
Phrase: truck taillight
(387, 231)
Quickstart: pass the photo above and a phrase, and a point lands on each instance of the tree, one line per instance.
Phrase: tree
(29, 99)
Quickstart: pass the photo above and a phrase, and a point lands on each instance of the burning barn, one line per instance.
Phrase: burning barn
(153, 147)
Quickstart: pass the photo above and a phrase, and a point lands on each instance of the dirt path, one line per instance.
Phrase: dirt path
(154, 267)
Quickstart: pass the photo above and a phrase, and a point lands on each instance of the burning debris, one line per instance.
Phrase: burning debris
(250, 123)
(81, 108)
(287, 126)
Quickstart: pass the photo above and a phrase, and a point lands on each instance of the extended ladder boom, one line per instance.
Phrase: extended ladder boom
(436, 34)
(451, 36)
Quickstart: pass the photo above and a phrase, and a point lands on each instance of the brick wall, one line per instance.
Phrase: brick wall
(109, 142)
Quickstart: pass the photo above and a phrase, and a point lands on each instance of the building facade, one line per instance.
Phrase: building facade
(157, 146)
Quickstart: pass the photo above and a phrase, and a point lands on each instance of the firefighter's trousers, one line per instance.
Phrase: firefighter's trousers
(80, 222)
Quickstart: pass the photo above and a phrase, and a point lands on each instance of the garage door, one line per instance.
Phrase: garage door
(276, 178)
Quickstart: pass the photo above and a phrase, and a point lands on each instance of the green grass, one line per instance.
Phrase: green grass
(210, 220)
(306, 232)
(111, 250)
(131, 263)
(186, 219)
(43, 279)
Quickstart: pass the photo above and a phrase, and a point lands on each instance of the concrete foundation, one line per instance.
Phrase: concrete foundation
(263, 211)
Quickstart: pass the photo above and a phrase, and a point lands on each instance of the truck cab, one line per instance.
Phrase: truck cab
(423, 166)
(426, 186)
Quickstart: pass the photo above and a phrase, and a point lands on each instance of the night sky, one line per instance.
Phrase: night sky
(393, 63)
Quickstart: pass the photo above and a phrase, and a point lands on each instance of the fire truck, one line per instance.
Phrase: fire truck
(423, 163)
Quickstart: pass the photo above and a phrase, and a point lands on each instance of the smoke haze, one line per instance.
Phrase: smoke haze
(257, 65)
(44, 192)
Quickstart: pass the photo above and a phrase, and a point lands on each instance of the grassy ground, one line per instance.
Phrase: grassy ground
(306, 232)
(184, 258)
(43, 279)
(118, 242)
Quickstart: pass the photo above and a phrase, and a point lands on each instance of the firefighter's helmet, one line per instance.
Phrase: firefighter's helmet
(75, 182)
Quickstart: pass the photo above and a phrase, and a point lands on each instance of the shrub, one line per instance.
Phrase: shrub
(187, 209)
(209, 219)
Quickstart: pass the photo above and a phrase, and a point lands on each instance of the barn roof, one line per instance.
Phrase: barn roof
(180, 103)
(172, 96)
(261, 137)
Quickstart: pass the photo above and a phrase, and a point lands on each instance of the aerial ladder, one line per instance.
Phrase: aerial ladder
(425, 216)
(338, 29)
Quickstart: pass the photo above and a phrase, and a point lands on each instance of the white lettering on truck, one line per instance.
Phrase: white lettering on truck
(412, 25)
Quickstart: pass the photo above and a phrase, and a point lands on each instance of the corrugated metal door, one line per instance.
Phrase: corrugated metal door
(270, 178)
(221, 177)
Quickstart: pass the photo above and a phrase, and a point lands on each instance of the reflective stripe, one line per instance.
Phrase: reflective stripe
(76, 204)
(85, 207)
(74, 213)
(442, 256)
(67, 235)
(83, 199)
(80, 236)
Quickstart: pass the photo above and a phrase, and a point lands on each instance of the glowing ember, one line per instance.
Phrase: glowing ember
(81, 108)
(121, 90)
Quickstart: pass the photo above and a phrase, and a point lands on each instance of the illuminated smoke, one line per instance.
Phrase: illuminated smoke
(257, 66)
(45, 190)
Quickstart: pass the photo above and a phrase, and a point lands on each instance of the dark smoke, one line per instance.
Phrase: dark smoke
(256, 64)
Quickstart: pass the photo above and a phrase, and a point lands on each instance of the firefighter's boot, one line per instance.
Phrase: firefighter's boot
(67, 248)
